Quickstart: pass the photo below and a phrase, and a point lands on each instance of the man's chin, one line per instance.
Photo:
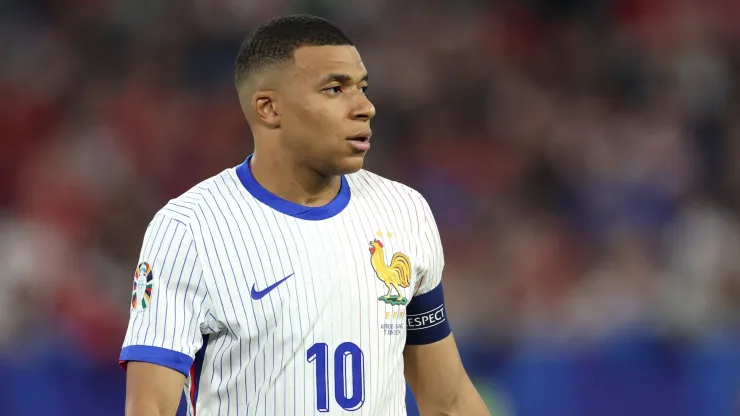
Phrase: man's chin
(351, 164)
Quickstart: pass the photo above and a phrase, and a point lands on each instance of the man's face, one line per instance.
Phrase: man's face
(325, 115)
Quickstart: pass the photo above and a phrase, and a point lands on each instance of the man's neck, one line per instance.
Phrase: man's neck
(284, 177)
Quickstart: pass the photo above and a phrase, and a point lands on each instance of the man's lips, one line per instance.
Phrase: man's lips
(362, 137)
(360, 141)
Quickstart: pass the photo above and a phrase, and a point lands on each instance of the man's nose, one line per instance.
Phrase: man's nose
(364, 110)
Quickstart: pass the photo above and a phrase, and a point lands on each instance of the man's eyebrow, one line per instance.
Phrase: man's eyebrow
(341, 78)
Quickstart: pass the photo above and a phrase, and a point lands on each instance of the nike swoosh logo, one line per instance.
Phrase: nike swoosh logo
(259, 294)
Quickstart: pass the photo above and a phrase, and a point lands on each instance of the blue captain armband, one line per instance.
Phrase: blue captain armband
(426, 318)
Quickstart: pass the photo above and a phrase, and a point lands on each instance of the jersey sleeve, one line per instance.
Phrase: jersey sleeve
(426, 316)
(169, 300)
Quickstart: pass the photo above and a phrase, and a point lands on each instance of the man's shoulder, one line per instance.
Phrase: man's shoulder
(211, 191)
(365, 183)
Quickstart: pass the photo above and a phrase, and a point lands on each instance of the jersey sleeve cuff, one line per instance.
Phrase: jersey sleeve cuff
(426, 318)
(156, 355)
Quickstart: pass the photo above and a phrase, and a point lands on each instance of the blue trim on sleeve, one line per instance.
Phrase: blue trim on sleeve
(327, 211)
(157, 355)
(426, 318)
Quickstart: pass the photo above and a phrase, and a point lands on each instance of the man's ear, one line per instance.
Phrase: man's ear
(265, 107)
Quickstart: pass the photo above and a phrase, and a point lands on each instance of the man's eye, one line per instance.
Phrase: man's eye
(364, 89)
(334, 90)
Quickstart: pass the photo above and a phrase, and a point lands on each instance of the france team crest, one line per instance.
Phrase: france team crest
(141, 296)
(395, 275)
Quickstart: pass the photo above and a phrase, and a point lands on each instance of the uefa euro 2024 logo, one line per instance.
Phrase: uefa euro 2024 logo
(141, 296)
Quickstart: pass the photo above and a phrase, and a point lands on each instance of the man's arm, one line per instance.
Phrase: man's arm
(168, 321)
(438, 379)
(152, 390)
(433, 368)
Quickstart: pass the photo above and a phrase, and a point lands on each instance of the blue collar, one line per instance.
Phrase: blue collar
(244, 172)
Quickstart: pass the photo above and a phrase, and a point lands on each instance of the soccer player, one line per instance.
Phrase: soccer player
(295, 283)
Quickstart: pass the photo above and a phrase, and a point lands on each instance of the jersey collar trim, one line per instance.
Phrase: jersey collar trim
(327, 211)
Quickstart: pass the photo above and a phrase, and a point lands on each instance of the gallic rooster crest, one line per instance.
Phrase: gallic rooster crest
(395, 275)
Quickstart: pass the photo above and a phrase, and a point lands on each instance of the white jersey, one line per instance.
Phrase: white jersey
(272, 308)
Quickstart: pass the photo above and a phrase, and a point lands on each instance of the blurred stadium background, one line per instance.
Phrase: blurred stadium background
(582, 158)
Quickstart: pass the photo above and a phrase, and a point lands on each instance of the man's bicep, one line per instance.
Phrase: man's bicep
(433, 371)
(152, 390)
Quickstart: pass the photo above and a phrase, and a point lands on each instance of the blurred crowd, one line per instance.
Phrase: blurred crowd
(581, 157)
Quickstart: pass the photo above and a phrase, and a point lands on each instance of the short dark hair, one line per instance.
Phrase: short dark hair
(275, 42)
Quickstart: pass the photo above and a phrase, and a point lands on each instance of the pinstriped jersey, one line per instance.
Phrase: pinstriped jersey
(272, 308)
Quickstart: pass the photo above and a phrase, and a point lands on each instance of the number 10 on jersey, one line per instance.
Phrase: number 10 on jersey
(346, 351)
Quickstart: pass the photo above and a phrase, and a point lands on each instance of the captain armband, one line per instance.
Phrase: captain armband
(426, 318)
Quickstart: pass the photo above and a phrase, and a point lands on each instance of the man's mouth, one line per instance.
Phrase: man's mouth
(361, 138)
